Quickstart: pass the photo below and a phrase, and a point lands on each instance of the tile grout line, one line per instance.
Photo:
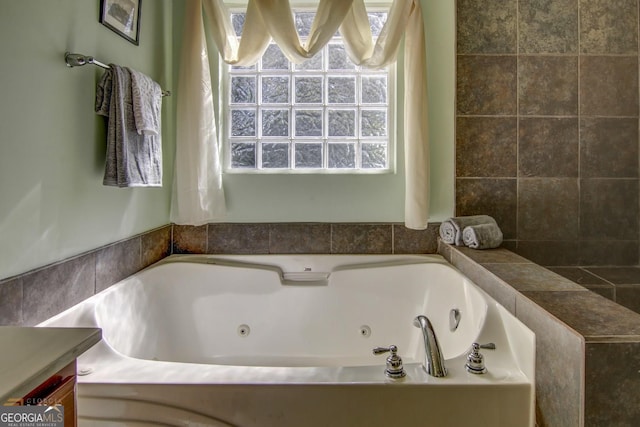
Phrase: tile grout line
(552, 54)
(393, 238)
(517, 230)
(579, 111)
(206, 238)
(638, 124)
(331, 237)
(171, 235)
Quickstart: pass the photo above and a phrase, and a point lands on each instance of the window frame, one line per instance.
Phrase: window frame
(224, 118)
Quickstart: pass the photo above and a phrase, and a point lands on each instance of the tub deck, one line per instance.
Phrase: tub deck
(260, 340)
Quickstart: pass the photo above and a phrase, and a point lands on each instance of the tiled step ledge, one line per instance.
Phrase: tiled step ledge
(588, 347)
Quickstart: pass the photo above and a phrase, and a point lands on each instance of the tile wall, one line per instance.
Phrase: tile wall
(30, 298)
(619, 284)
(587, 347)
(547, 126)
(34, 296)
(307, 238)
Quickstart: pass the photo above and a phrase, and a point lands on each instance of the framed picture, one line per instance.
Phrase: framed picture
(122, 17)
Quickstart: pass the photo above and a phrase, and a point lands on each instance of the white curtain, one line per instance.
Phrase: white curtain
(272, 19)
(198, 196)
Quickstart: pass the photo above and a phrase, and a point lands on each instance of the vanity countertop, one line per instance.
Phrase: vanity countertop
(30, 355)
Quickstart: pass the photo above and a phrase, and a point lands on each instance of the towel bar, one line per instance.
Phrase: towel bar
(78, 60)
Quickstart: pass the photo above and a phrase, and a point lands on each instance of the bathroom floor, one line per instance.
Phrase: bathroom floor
(620, 284)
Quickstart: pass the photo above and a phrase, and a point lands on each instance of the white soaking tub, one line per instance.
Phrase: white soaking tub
(286, 340)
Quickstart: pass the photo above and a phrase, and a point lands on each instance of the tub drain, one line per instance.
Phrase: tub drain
(244, 330)
(84, 371)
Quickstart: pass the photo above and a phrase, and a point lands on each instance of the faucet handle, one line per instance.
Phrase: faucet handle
(381, 350)
(394, 369)
(475, 360)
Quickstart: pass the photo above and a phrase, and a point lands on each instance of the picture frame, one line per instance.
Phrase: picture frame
(122, 17)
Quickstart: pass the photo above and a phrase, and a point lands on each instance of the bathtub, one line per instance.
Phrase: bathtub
(275, 340)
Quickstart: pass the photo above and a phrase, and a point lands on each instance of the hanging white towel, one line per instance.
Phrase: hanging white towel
(132, 160)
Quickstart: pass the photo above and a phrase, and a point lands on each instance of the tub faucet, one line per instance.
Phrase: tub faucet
(394, 362)
(433, 359)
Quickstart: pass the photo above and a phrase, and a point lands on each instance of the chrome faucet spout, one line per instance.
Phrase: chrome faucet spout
(433, 359)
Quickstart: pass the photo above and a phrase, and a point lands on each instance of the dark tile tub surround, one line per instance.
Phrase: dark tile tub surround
(36, 295)
(619, 284)
(486, 146)
(189, 239)
(116, 262)
(486, 85)
(609, 85)
(49, 290)
(548, 85)
(495, 196)
(548, 26)
(486, 26)
(586, 345)
(11, 297)
(300, 238)
(547, 126)
(308, 238)
(576, 330)
(235, 238)
(548, 147)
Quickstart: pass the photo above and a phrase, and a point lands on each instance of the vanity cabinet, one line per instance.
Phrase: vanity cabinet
(58, 389)
(38, 366)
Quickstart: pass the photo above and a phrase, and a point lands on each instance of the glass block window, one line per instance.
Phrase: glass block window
(324, 115)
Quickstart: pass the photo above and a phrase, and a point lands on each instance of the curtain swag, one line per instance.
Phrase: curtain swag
(198, 195)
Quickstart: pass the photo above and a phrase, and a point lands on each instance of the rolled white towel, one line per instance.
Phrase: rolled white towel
(483, 236)
(451, 229)
(448, 232)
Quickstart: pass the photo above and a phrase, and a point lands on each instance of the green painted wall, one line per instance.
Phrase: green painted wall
(52, 202)
(372, 198)
(52, 145)
(440, 25)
